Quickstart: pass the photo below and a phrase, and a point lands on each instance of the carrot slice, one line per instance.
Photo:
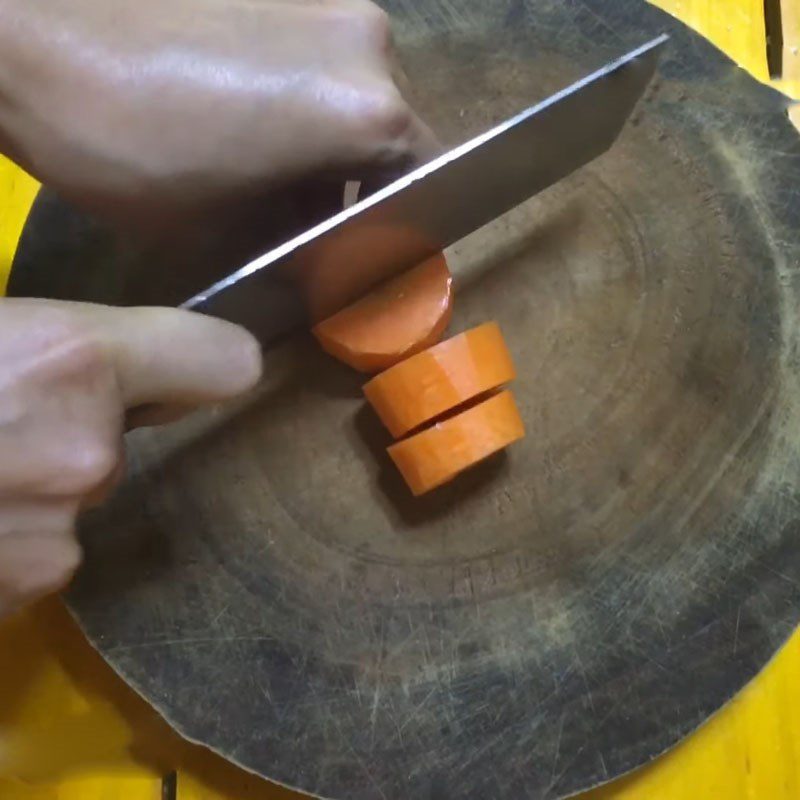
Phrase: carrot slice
(441, 452)
(437, 380)
(394, 321)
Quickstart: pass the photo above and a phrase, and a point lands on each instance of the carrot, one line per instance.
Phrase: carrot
(333, 275)
(437, 380)
(403, 316)
(441, 452)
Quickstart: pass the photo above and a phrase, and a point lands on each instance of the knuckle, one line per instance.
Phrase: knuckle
(388, 118)
(252, 363)
(381, 111)
(82, 354)
(92, 463)
(376, 20)
(34, 565)
(97, 496)
(364, 18)
(57, 570)
(68, 347)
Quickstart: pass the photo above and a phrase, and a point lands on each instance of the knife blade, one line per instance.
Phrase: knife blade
(320, 271)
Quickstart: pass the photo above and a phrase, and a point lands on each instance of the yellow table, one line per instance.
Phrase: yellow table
(69, 729)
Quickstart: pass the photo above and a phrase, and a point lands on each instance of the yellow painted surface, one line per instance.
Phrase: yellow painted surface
(735, 26)
(17, 191)
(70, 730)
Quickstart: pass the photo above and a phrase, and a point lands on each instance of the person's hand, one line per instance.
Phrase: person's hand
(152, 109)
(69, 372)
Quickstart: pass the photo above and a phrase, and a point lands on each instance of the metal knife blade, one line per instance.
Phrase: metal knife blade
(320, 271)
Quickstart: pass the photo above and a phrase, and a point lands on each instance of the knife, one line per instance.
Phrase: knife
(320, 271)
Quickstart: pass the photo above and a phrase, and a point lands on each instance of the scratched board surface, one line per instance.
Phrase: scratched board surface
(569, 610)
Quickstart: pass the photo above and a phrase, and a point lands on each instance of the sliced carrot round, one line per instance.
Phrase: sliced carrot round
(403, 316)
(441, 378)
(441, 452)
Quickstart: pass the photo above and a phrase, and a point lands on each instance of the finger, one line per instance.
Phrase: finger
(167, 356)
(34, 565)
(423, 143)
(72, 368)
(63, 423)
(103, 491)
(38, 551)
(425, 148)
(408, 143)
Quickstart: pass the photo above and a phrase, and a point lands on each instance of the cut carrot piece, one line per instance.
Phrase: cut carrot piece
(407, 314)
(441, 452)
(441, 378)
(339, 271)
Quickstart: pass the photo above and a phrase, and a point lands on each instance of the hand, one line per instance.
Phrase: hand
(148, 109)
(70, 371)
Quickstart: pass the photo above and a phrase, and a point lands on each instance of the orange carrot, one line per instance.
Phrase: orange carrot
(441, 378)
(441, 452)
(331, 276)
(403, 316)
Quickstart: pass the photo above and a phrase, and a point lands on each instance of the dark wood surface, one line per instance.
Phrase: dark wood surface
(572, 608)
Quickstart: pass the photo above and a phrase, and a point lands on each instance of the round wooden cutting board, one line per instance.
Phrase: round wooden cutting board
(570, 609)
